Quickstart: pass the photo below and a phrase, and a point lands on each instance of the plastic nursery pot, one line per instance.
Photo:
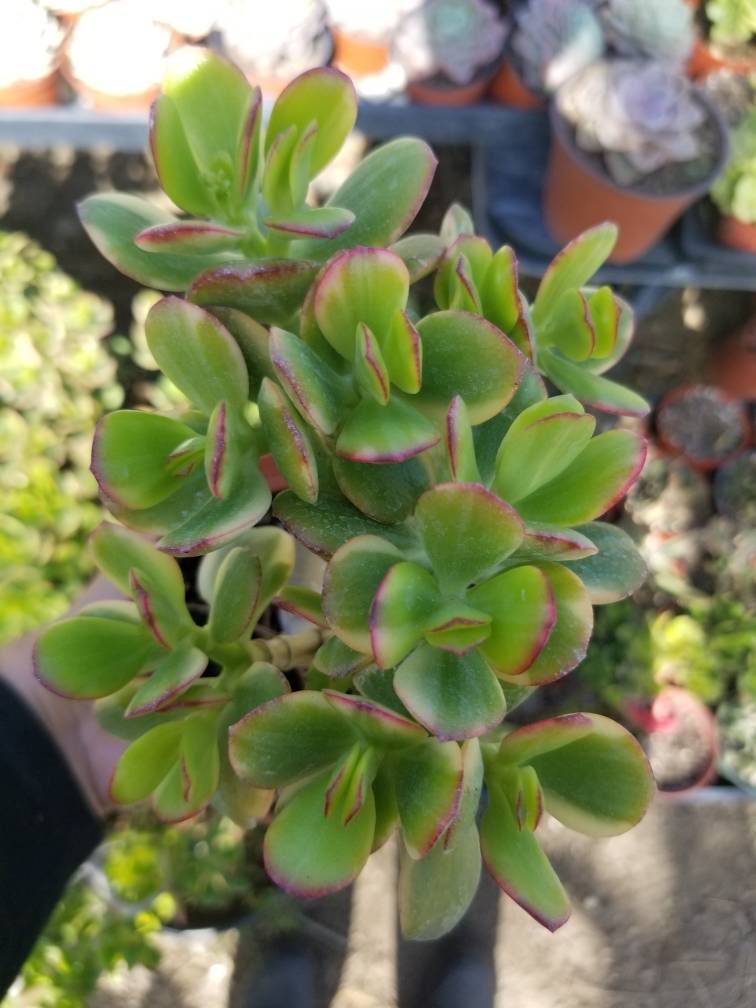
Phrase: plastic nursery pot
(705, 60)
(31, 93)
(508, 88)
(359, 56)
(682, 743)
(737, 234)
(579, 194)
(439, 90)
(704, 425)
(733, 364)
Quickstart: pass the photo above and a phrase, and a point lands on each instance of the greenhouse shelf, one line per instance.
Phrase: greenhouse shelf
(509, 151)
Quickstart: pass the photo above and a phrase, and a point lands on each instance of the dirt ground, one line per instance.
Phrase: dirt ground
(664, 917)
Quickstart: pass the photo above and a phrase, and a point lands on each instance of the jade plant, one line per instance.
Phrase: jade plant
(455, 502)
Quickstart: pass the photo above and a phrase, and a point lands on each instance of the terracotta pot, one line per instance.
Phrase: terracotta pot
(737, 234)
(508, 88)
(705, 60)
(683, 741)
(31, 93)
(438, 91)
(359, 56)
(579, 194)
(733, 364)
(102, 102)
(677, 434)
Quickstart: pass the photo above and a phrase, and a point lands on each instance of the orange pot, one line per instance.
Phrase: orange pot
(103, 102)
(578, 195)
(737, 234)
(704, 61)
(435, 91)
(507, 88)
(31, 93)
(733, 364)
(359, 56)
(739, 429)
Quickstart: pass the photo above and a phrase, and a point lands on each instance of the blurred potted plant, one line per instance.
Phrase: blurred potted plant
(647, 30)
(114, 56)
(702, 424)
(734, 193)
(632, 141)
(292, 37)
(726, 38)
(450, 50)
(191, 19)
(29, 55)
(363, 31)
(550, 40)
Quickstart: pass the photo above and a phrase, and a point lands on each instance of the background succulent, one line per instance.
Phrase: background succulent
(455, 38)
(733, 22)
(735, 190)
(553, 39)
(645, 29)
(641, 116)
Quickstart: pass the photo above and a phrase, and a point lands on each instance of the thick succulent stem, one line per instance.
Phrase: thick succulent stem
(287, 651)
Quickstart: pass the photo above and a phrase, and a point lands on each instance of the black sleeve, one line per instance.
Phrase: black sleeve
(46, 831)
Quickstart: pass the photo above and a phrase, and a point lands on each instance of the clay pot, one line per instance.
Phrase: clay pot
(438, 91)
(103, 102)
(733, 364)
(705, 60)
(508, 88)
(683, 742)
(579, 194)
(31, 93)
(737, 234)
(702, 424)
(359, 56)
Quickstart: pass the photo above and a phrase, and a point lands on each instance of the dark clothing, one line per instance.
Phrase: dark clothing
(47, 830)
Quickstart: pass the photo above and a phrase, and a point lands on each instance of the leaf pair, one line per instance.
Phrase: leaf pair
(586, 771)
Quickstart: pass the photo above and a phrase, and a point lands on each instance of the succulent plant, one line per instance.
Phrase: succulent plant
(455, 503)
(733, 22)
(553, 39)
(735, 190)
(640, 116)
(645, 29)
(291, 38)
(453, 38)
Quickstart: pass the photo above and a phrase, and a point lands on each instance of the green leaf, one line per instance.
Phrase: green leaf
(349, 784)
(262, 746)
(457, 221)
(568, 640)
(454, 697)
(600, 783)
(199, 356)
(458, 628)
(276, 181)
(145, 763)
(200, 759)
(402, 608)
(595, 480)
(368, 285)
(522, 745)
(171, 677)
(502, 301)
(465, 355)
(257, 685)
(380, 725)
(420, 253)
(336, 660)
(351, 581)
(385, 192)
(436, 891)
(253, 340)
(541, 443)
(320, 222)
(519, 866)
(428, 783)
(116, 551)
(248, 152)
(572, 268)
(592, 389)
(276, 550)
(369, 368)
(333, 522)
(88, 656)
(460, 446)
(222, 452)
(332, 855)
(390, 433)
(387, 493)
(614, 322)
(236, 594)
(130, 455)
(168, 799)
(616, 570)
(472, 788)
(113, 220)
(174, 162)
(403, 353)
(288, 441)
(570, 327)
(188, 237)
(217, 523)
(466, 531)
(269, 290)
(523, 614)
(324, 96)
(552, 542)
(167, 623)
(313, 387)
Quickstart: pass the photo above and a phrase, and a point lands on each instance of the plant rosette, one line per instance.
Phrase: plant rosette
(702, 424)
(650, 175)
(456, 504)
